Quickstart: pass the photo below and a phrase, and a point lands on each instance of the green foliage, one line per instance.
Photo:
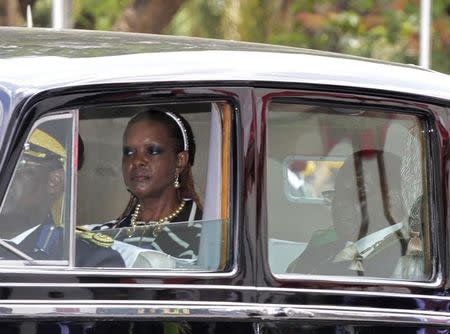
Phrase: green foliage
(42, 13)
(256, 20)
(97, 14)
(199, 18)
(87, 14)
(382, 29)
(387, 30)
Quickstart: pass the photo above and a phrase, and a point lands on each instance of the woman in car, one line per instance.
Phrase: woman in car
(158, 152)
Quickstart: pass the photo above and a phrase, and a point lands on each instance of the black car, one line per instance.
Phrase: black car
(322, 179)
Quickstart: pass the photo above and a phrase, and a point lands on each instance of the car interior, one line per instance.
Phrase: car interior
(307, 145)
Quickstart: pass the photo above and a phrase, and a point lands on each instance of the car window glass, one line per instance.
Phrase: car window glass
(35, 213)
(347, 192)
(128, 165)
(141, 246)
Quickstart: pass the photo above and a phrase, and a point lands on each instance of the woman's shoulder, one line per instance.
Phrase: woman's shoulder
(191, 211)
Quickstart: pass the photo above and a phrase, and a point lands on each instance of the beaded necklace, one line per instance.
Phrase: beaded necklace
(157, 229)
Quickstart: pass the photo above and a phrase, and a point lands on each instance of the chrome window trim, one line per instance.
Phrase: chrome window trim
(133, 286)
(124, 272)
(437, 274)
(235, 178)
(351, 293)
(73, 186)
(233, 213)
(69, 268)
(350, 280)
(13, 264)
(173, 310)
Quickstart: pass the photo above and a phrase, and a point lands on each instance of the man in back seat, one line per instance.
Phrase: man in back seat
(368, 236)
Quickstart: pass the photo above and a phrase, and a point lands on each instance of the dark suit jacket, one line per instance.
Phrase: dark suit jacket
(319, 257)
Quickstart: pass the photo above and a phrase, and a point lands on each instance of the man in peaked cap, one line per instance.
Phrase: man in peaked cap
(35, 202)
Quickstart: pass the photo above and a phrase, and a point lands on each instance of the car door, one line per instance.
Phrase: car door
(50, 284)
(353, 210)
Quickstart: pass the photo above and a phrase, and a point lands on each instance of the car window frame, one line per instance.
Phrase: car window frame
(54, 115)
(230, 100)
(427, 111)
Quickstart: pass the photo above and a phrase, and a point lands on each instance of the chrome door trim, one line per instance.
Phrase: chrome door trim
(73, 185)
(118, 272)
(132, 286)
(178, 310)
(359, 293)
(435, 283)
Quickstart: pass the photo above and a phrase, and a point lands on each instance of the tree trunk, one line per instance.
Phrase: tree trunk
(10, 13)
(285, 9)
(150, 16)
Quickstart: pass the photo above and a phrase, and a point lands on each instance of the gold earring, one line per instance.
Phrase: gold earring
(176, 183)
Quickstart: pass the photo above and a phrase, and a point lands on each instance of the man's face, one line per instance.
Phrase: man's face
(366, 201)
(28, 195)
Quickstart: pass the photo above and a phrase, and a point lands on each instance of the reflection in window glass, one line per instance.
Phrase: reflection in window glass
(35, 211)
(308, 178)
(347, 193)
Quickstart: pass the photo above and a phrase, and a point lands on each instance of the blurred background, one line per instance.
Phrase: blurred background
(381, 29)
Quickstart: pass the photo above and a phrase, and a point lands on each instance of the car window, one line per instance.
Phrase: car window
(127, 168)
(35, 213)
(112, 228)
(347, 192)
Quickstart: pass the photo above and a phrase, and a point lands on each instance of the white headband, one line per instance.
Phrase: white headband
(182, 128)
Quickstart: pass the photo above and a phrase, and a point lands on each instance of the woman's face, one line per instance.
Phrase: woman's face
(149, 161)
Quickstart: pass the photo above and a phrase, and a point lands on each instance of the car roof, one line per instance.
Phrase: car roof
(34, 59)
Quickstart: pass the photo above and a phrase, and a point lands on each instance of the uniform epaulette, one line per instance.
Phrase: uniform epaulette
(96, 238)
